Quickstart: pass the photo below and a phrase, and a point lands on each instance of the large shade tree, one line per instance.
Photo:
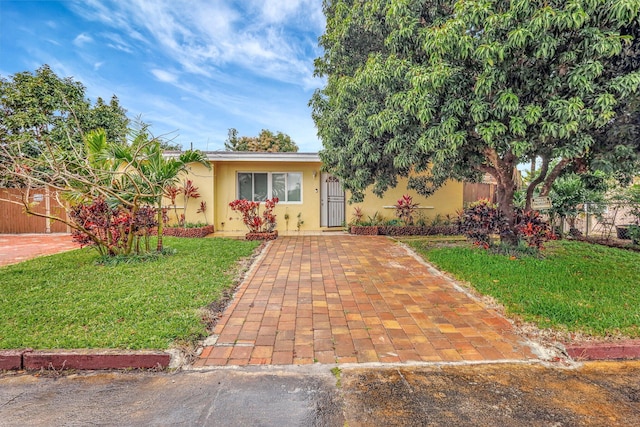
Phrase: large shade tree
(40, 110)
(267, 141)
(451, 89)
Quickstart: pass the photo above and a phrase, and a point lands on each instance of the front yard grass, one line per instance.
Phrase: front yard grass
(576, 287)
(67, 301)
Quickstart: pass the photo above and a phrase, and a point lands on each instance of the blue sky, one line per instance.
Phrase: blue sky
(194, 68)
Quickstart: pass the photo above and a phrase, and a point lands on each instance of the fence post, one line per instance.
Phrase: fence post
(47, 210)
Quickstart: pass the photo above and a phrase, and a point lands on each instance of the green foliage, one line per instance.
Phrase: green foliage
(41, 112)
(266, 141)
(576, 287)
(300, 221)
(570, 191)
(456, 89)
(144, 164)
(480, 221)
(405, 208)
(127, 177)
(632, 198)
(67, 301)
(373, 220)
(134, 259)
(634, 233)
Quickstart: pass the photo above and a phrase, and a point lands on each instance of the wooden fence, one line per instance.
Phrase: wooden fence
(473, 191)
(14, 220)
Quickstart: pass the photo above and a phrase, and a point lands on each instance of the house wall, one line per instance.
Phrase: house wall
(203, 179)
(225, 190)
(445, 201)
(218, 187)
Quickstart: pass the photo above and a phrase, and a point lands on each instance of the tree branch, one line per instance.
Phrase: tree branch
(533, 184)
(555, 172)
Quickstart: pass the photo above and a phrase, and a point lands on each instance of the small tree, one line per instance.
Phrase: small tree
(128, 178)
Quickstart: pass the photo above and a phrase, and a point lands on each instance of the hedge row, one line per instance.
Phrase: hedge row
(412, 230)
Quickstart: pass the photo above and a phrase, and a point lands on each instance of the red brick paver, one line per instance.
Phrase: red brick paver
(348, 299)
(15, 248)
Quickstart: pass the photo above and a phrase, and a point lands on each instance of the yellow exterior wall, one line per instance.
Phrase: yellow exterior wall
(225, 191)
(203, 179)
(445, 201)
(218, 187)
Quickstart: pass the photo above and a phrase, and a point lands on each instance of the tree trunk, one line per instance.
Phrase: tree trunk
(160, 225)
(534, 183)
(505, 191)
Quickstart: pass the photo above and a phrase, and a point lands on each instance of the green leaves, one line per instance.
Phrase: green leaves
(624, 11)
(420, 83)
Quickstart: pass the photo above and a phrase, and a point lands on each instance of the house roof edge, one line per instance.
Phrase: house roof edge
(250, 156)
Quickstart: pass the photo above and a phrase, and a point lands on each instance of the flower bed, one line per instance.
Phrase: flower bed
(409, 230)
(188, 232)
(271, 235)
(364, 230)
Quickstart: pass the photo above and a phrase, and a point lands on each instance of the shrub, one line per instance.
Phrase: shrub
(534, 230)
(251, 217)
(482, 219)
(405, 209)
(357, 216)
(479, 221)
(112, 230)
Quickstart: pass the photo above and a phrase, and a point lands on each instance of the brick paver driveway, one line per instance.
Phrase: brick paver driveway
(348, 299)
(16, 248)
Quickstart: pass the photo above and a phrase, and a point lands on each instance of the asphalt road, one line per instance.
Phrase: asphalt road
(595, 394)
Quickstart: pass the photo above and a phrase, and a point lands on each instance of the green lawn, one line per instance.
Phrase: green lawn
(67, 301)
(577, 287)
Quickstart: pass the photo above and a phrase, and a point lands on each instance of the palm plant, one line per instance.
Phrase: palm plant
(159, 172)
(145, 167)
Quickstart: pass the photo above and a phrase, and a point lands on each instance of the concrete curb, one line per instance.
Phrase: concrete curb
(91, 359)
(618, 350)
(27, 359)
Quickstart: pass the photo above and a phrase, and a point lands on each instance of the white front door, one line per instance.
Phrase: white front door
(332, 202)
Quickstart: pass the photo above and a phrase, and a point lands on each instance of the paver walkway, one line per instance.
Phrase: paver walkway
(16, 248)
(348, 299)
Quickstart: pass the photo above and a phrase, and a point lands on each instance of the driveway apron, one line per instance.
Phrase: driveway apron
(15, 248)
(354, 299)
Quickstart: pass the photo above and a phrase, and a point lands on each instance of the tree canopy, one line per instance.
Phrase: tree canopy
(40, 110)
(455, 89)
(266, 141)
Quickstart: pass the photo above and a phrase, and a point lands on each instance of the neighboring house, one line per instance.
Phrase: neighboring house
(297, 180)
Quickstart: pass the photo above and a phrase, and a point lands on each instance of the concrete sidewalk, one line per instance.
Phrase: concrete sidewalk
(355, 299)
(15, 248)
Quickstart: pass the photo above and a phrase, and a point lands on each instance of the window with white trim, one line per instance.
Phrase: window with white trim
(259, 186)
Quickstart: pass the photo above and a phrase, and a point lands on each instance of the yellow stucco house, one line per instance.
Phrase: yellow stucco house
(303, 189)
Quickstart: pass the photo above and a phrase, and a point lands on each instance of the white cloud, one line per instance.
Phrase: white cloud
(202, 36)
(82, 39)
(232, 62)
(165, 76)
(117, 42)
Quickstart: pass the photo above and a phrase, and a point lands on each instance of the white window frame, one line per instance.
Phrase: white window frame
(270, 185)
